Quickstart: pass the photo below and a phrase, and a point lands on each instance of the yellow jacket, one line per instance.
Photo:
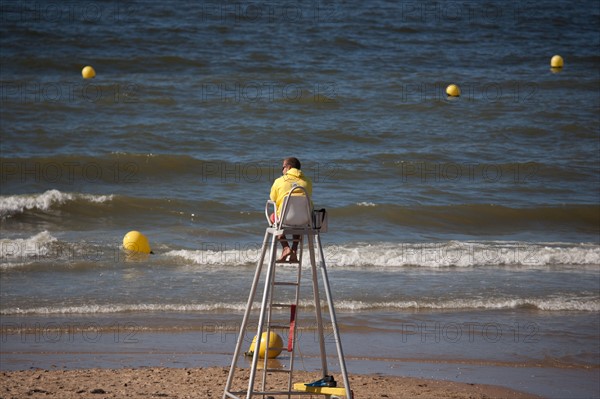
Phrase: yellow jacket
(282, 186)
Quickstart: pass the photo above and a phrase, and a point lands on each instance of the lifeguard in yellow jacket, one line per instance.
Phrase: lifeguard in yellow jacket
(292, 174)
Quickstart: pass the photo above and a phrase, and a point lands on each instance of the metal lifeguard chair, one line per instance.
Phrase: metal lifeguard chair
(296, 219)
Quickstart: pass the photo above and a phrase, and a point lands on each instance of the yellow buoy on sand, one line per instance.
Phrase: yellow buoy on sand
(136, 242)
(453, 90)
(557, 62)
(88, 72)
(275, 346)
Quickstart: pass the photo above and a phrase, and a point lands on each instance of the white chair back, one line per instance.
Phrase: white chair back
(297, 209)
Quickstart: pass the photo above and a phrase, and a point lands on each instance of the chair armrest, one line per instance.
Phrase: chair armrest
(272, 204)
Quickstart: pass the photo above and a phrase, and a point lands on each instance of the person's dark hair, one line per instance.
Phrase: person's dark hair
(293, 162)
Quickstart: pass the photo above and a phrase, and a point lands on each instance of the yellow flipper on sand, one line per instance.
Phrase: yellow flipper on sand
(299, 386)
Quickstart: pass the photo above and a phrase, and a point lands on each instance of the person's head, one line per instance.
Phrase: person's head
(291, 162)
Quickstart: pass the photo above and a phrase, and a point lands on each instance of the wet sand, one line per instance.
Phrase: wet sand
(201, 383)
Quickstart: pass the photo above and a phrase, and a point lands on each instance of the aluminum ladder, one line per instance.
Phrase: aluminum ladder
(296, 221)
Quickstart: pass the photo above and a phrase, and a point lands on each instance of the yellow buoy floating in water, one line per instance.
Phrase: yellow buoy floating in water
(453, 90)
(88, 72)
(275, 346)
(557, 62)
(136, 242)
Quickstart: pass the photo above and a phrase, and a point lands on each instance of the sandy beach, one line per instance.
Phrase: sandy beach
(201, 383)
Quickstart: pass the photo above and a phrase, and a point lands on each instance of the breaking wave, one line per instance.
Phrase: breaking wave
(17, 204)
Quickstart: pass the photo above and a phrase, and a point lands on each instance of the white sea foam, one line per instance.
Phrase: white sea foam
(430, 255)
(542, 304)
(215, 257)
(15, 204)
(463, 254)
(366, 204)
(14, 251)
(545, 304)
(125, 308)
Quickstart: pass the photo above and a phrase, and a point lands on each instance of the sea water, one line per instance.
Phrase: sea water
(460, 229)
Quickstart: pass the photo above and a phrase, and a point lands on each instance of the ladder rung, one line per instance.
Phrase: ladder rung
(278, 371)
(279, 327)
(278, 348)
(290, 239)
(284, 283)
